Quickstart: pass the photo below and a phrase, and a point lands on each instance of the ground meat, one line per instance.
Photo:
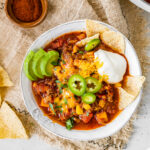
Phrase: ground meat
(46, 89)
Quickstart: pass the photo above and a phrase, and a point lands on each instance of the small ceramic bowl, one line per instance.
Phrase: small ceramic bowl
(142, 4)
(10, 15)
(83, 135)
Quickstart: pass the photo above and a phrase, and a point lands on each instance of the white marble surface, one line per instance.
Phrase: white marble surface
(33, 144)
(140, 139)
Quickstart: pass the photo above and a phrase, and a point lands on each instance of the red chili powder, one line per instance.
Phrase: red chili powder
(27, 10)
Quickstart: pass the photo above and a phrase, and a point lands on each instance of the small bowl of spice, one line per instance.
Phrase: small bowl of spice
(26, 13)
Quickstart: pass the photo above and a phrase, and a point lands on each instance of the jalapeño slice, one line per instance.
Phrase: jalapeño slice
(88, 98)
(77, 84)
(92, 44)
(93, 85)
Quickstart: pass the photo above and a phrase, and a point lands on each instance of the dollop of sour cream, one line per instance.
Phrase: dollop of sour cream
(112, 65)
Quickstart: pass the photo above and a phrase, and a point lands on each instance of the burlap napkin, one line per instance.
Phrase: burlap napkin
(14, 42)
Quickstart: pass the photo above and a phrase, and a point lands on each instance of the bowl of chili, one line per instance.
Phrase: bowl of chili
(81, 132)
(26, 13)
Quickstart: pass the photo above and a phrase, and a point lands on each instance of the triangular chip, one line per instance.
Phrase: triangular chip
(10, 124)
(86, 40)
(0, 100)
(124, 98)
(133, 84)
(114, 40)
(4, 78)
(93, 27)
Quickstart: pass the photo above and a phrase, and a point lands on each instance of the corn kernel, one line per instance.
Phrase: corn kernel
(75, 49)
(57, 100)
(118, 85)
(79, 110)
(86, 106)
(102, 103)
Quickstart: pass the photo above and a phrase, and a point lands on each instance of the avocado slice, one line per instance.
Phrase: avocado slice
(36, 63)
(45, 63)
(27, 66)
(49, 69)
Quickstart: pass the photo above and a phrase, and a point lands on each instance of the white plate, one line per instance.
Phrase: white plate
(57, 129)
(142, 4)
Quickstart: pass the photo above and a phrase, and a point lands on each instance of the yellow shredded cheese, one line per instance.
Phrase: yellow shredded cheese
(65, 108)
(85, 67)
(98, 63)
(71, 102)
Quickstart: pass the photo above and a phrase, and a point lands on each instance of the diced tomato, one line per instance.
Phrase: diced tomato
(86, 117)
(57, 44)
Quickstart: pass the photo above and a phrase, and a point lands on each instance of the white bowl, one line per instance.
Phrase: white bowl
(142, 4)
(57, 129)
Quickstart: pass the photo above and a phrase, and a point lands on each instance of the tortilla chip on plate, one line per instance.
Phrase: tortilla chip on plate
(4, 78)
(86, 40)
(10, 124)
(114, 40)
(124, 98)
(93, 27)
(133, 84)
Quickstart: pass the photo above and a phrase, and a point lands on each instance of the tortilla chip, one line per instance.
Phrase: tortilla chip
(0, 100)
(133, 84)
(114, 40)
(4, 78)
(10, 125)
(86, 40)
(124, 98)
(93, 27)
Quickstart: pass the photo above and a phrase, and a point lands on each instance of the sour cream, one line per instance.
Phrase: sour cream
(112, 65)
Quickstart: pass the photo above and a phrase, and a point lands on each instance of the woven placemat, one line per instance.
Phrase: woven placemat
(14, 42)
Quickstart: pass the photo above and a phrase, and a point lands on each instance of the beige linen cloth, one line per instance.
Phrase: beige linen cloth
(14, 42)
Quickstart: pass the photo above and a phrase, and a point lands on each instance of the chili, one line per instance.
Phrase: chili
(87, 116)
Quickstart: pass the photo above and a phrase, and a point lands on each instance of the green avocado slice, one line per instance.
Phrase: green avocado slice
(45, 63)
(36, 63)
(27, 66)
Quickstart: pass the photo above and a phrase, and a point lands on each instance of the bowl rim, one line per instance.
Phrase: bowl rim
(82, 139)
(27, 24)
(142, 4)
